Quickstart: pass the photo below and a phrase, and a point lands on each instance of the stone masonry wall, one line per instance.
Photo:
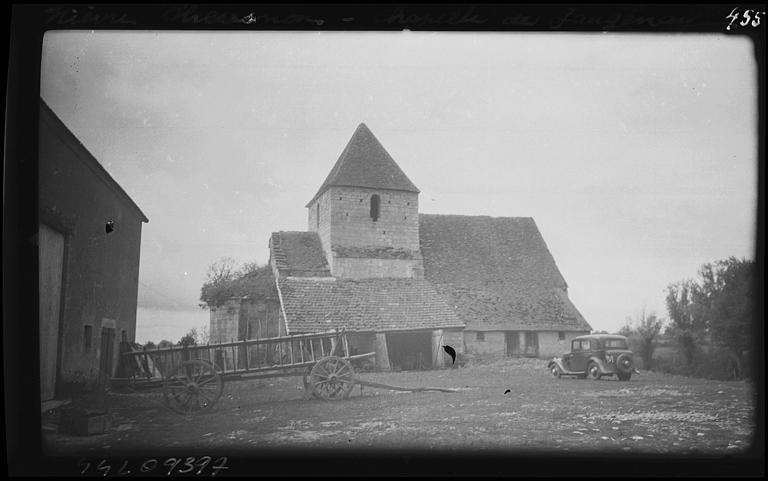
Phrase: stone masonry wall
(354, 268)
(323, 228)
(351, 224)
(494, 344)
(551, 346)
(225, 321)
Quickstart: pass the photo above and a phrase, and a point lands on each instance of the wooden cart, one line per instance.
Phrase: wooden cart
(192, 377)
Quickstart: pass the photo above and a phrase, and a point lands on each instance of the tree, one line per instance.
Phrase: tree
(648, 329)
(222, 279)
(219, 277)
(222, 270)
(643, 333)
(716, 311)
(189, 339)
(687, 327)
(726, 298)
(202, 335)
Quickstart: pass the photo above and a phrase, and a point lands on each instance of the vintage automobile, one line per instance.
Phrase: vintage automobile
(595, 356)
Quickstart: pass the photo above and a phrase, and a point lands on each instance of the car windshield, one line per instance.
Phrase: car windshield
(615, 343)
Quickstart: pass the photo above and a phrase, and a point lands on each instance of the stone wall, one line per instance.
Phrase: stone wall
(358, 268)
(321, 208)
(551, 346)
(455, 339)
(495, 345)
(225, 321)
(351, 223)
(345, 218)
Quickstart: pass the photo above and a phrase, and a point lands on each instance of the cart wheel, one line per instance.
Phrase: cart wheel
(332, 378)
(193, 387)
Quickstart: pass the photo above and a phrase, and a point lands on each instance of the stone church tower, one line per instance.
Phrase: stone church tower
(366, 214)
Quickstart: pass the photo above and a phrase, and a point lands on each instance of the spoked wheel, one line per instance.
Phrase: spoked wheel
(332, 378)
(193, 387)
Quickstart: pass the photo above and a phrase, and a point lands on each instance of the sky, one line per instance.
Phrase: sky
(635, 154)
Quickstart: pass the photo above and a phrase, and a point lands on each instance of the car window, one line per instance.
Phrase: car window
(576, 346)
(616, 343)
(593, 345)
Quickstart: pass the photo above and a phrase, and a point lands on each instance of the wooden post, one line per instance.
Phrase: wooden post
(245, 351)
(437, 349)
(382, 356)
(234, 355)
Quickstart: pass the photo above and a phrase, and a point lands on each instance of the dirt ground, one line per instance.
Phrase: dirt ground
(651, 413)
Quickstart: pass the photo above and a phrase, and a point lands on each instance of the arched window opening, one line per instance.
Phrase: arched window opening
(375, 207)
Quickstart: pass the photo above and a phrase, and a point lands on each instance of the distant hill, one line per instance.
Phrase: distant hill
(158, 297)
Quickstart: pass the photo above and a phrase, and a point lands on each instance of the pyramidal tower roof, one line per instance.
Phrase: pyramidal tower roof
(365, 163)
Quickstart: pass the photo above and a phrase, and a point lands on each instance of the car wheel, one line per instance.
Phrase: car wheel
(556, 371)
(593, 371)
(624, 377)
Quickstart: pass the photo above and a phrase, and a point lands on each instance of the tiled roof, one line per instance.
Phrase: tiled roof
(497, 272)
(365, 163)
(299, 254)
(366, 305)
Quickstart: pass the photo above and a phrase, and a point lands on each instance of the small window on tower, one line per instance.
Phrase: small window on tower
(375, 207)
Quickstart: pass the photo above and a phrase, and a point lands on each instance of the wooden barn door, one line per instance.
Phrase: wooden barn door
(51, 256)
(107, 354)
(513, 343)
(532, 344)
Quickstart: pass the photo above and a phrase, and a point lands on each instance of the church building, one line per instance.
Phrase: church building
(404, 284)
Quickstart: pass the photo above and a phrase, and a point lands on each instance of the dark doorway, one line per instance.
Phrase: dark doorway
(107, 353)
(513, 343)
(531, 344)
(410, 351)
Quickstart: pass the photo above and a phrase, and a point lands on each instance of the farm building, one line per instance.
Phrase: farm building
(89, 239)
(404, 284)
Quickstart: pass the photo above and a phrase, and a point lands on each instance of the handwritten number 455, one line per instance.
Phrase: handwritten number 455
(752, 16)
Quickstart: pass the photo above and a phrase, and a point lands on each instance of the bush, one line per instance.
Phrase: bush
(717, 364)
(713, 363)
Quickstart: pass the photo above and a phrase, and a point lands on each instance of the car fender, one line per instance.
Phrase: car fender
(557, 362)
(602, 365)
